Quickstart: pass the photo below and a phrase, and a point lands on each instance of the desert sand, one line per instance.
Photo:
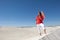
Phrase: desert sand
(28, 33)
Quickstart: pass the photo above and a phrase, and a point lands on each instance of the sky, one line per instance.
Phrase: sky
(24, 12)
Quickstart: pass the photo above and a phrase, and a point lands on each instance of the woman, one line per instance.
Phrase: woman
(39, 22)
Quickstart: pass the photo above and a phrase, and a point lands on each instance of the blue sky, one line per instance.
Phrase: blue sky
(23, 12)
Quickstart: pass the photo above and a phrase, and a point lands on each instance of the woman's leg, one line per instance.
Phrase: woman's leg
(44, 29)
(39, 29)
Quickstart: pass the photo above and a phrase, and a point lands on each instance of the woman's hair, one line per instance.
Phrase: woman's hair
(40, 13)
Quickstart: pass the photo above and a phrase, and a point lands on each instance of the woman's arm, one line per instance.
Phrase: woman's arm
(42, 14)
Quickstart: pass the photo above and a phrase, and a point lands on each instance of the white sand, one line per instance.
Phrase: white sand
(22, 33)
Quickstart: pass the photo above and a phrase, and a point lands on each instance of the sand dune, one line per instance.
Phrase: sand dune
(9, 33)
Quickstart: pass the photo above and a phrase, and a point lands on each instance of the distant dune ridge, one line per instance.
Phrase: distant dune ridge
(13, 33)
